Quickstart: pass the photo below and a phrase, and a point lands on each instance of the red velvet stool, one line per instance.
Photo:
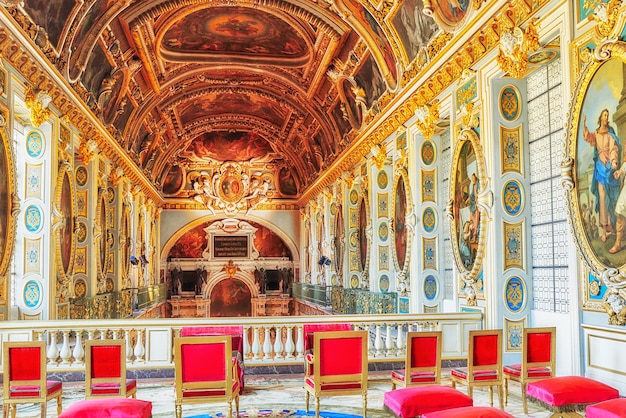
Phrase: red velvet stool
(109, 408)
(566, 394)
(614, 408)
(470, 412)
(418, 400)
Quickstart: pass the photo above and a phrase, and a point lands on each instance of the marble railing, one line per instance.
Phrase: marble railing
(149, 342)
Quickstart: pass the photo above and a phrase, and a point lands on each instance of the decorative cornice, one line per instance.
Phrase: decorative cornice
(20, 51)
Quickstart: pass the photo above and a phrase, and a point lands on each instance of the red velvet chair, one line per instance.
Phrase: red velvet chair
(538, 360)
(205, 372)
(235, 331)
(484, 363)
(25, 379)
(422, 362)
(105, 370)
(338, 366)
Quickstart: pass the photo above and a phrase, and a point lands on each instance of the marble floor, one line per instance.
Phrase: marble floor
(278, 392)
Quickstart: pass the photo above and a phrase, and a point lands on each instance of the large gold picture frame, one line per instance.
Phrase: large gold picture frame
(467, 210)
(593, 172)
(8, 205)
(65, 211)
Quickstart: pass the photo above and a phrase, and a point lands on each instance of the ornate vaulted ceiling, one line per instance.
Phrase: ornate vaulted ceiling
(197, 92)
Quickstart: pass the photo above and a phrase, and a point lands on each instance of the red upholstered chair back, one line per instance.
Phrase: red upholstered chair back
(485, 350)
(310, 329)
(204, 367)
(105, 367)
(25, 365)
(105, 360)
(340, 357)
(423, 349)
(539, 348)
(193, 355)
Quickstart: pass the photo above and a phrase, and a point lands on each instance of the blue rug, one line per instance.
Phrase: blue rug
(268, 413)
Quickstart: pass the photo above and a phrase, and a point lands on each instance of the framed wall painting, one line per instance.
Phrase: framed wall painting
(65, 203)
(514, 242)
(513, 331)
(429, 248)
(467, 220)
(593, 173)
(511, 149)
(429, 185)
(8, 190)
(450, 15)
(383, 205)
(402, 232)
(363, 222)
(339, 241)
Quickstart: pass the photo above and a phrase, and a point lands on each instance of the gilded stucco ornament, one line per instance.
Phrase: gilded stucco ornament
(515, 45)
(607, 15)
(37, 102)
(427, 118)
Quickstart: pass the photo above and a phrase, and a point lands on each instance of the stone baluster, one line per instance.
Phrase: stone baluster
(79, 351)
(129, 347)
(246, 343)
(103, 334)
(289, 345)
(400, 341)
(378, 341)
(267, 344)
(139, 347)
(53, 351)
(256, 346)
(300, 341)
(278, 343)
(65, 348)
(388, 341)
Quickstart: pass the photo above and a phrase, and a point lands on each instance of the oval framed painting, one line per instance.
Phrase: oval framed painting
(510, 103)
(101, 222)
(512, 197)
(8, 188)
(66, 208)
(449, 15)
(363, 220)
(339, 241)
(125, 241)
(468, 177)
(402, 238)
(593, 171)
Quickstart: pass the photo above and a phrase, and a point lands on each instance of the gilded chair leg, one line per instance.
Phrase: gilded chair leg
(500, 397)
(453, 384)
(179, 410)
(364, 404)
(491, 396)
(14, 411)
(5, 411)
(506, 391)
(524, 402)
(317, 407)
(306, 399)
(237, 404)
(230, 408)
(59, 405)
(44, 409)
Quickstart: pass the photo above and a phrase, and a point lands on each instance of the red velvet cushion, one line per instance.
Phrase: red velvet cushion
(28, 391)
(469, 412)
(615, 408)
(332, 358)
(485, 352)
(196, 354)
(567, 390)
(424, 352)
(109, 408)
(25, 363)
(416, 377)
(106, 361)
(533, 372)
(112, 388)
(415, 401)
(461, 372)
(332, 386)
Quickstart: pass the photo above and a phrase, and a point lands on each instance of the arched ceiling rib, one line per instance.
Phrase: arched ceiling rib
(280, 87)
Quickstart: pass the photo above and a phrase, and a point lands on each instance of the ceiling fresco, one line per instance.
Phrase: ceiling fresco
(275, 90)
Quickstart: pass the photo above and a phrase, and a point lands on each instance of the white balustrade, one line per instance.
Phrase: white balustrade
(261, 346)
